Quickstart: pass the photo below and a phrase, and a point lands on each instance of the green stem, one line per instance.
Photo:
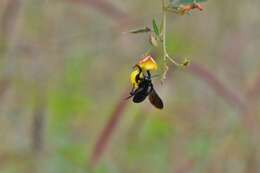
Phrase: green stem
(163, 32)
(164, 20)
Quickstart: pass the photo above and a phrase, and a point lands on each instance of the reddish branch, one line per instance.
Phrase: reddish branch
(109, 128)
(38, 123)
(229, 95)
(7, 27)
(254, 91)
(3, 86)
(108, 9)
(186, 167)
(9, 17)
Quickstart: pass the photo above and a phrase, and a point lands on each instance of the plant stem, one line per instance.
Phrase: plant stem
(164, 20)
(163, 32)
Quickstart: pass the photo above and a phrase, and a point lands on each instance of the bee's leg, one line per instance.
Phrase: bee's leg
(149, 74)
(128, 97)
(132, 93)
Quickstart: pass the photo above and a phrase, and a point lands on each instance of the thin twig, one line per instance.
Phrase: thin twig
(216, 84)
(108, 130)
(9, 18)
(38, 124)
(164, 18)
(109, 9)
(254, 91)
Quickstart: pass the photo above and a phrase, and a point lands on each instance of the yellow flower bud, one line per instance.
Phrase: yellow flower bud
(148, 63)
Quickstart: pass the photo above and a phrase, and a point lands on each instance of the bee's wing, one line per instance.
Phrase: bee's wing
(155, 100)
(140, 95)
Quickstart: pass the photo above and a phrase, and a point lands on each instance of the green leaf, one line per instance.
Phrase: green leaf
(155, 28)
(153, 40)
(178, 2)
(140, 30)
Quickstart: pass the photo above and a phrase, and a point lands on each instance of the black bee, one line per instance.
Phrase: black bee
(145, 88)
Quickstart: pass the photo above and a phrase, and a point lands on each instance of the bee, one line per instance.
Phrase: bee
(143, 87)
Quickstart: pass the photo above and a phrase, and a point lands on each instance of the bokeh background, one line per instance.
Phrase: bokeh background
(64, 71)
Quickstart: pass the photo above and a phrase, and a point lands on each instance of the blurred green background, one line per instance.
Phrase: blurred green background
(65, 67)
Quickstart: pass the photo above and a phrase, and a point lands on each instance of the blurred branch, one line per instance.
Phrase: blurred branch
(9, 17)
(229, 95)
(4, 83)
(217, 85)
(109, 129)
(13, 157)
(7, 28)
(252, 161)
(186, 167)
(108, 9)
(254, 91)
(252, 95)
(38, 125)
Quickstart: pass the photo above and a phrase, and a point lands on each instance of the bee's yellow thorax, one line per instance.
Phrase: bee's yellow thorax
(133, 78)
